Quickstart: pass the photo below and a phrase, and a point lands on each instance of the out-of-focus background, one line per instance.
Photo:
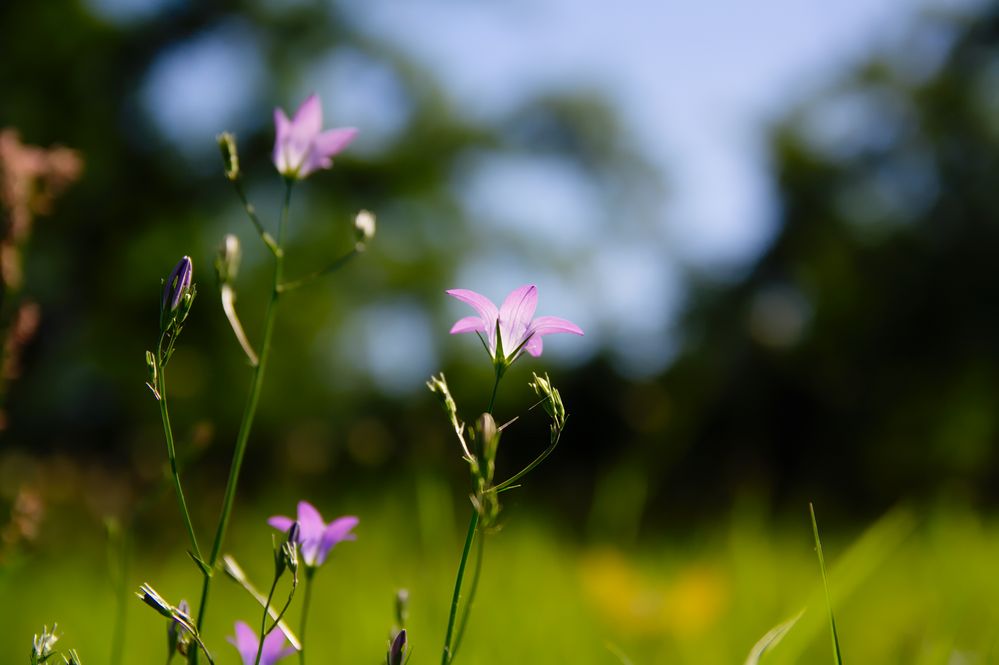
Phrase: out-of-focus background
(776, 223)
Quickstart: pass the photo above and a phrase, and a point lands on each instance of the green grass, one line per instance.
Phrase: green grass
(906, 590)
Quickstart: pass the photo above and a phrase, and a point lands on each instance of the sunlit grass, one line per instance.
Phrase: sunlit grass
(906, 590)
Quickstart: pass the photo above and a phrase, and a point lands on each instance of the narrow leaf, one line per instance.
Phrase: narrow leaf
(771, 639)
(837, 658)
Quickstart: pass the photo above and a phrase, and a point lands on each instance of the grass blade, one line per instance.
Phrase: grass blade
(837, 658)
(771, 639)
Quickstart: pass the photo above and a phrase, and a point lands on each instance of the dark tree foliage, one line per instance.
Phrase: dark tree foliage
(856, 362)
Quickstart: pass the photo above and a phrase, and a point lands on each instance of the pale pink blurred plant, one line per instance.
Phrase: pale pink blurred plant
(301, 146)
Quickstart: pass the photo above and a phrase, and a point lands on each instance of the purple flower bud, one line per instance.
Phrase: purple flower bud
(177, 284)
(398, 649)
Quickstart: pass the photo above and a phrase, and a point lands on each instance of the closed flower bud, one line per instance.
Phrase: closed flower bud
(364, 227)
(489, 436)
(398, 648)
(227, 259)
(177, 284)
(552, 400)
(150, 597)
(230, 158)
(176, 288)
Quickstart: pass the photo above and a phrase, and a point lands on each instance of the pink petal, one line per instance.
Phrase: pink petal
(282, 129)
(546, 325)
(323, 147)
(310, 522)
(246, 642)
(308, 120)
(332, 141)
(534, 345)
(310, 534)
(468, 324)
(338, 531)
(484, 307)
(274, 649)
(280, 522)
(515, 316)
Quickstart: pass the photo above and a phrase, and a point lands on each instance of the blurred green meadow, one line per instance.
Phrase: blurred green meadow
(905, 590)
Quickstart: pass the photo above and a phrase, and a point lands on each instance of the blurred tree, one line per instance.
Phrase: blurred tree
(856, 363)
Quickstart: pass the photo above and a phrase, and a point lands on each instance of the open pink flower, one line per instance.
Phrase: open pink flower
(301, 146)
(247, 643)
(514, 320)
(315, 536)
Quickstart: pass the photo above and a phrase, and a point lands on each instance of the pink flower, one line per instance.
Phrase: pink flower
(247, 643)
(301, 146)
(514, 322)
(315, 536)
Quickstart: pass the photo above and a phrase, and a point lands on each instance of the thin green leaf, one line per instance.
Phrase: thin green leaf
(771, 639)
(837, 657)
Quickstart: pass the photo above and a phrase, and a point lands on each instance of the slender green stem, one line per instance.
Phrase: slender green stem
(472, 524)
(306, 602)
(263, 621)
(332, 267)
(251, 212)
(492, 400)
(172, 455)
(530, 467)
(479, 551)
(249, 412)
(287, 604)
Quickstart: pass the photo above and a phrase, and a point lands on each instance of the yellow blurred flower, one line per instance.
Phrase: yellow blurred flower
(686, 603)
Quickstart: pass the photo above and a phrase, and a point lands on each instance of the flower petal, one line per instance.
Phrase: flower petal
(282, 129)
(274, 649)
(484, 307)
(310, 534)
(468, 324)
(337, 531)
(308, 118)
(332, 141)
(310, 522)
(280, 522)
(515, 316)
(546, 325)
(246, 642)
(322, 149)
(534, 345)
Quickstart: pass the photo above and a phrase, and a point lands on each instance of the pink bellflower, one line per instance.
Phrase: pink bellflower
(301, 146)
(247, 644)
(315, 537)
(512, 328)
